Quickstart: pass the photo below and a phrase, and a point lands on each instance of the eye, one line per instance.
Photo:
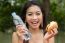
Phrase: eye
(37, 13)
(29, 14)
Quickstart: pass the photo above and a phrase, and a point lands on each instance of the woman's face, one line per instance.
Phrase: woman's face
(34, 16)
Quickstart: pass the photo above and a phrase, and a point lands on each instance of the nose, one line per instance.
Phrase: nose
(34, 17)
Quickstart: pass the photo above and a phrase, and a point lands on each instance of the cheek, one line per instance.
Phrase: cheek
(28, 19)
(40, 18)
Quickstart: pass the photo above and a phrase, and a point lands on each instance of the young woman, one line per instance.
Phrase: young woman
(33, 15)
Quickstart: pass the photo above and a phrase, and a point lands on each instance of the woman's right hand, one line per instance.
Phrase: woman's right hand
(20, 31)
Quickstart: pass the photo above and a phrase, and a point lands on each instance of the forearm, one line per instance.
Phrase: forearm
(16, 39)
(46, 41)
(51, 40)
(20, 41)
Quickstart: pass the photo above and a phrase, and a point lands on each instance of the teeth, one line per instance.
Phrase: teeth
(34, 22)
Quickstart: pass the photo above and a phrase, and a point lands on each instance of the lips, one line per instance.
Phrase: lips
(35, 23)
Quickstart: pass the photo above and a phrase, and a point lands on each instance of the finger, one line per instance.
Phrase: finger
(49, 35)
(18, 26)
(47, 27)
(18, 33)
(22, 31)
(55, 31)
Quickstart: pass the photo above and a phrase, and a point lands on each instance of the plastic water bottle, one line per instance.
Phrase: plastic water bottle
(18, 21)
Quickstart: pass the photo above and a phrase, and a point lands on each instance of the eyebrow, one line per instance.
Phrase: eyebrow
(31, 12)
(38, 11)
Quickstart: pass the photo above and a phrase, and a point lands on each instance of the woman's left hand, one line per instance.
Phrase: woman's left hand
(51, 31)
(48, 35)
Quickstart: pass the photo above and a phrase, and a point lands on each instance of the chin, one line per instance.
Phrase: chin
(35, 27)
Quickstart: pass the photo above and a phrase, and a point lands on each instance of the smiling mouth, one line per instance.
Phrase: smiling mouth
(35, 23)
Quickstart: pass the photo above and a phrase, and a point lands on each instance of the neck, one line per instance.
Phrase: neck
(34, 30)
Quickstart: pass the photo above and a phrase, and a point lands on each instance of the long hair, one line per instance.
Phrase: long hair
(29, 4)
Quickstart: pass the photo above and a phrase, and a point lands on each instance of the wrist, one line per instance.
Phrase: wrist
(19, 36)
(46, 40)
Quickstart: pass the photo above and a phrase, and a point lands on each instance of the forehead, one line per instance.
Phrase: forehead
(34, 8)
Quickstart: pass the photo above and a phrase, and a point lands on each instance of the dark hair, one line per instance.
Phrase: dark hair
(29, 4)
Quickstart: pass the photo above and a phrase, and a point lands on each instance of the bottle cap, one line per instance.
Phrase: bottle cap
(13, 14)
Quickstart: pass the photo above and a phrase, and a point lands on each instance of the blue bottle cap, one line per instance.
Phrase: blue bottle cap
(13, 14)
